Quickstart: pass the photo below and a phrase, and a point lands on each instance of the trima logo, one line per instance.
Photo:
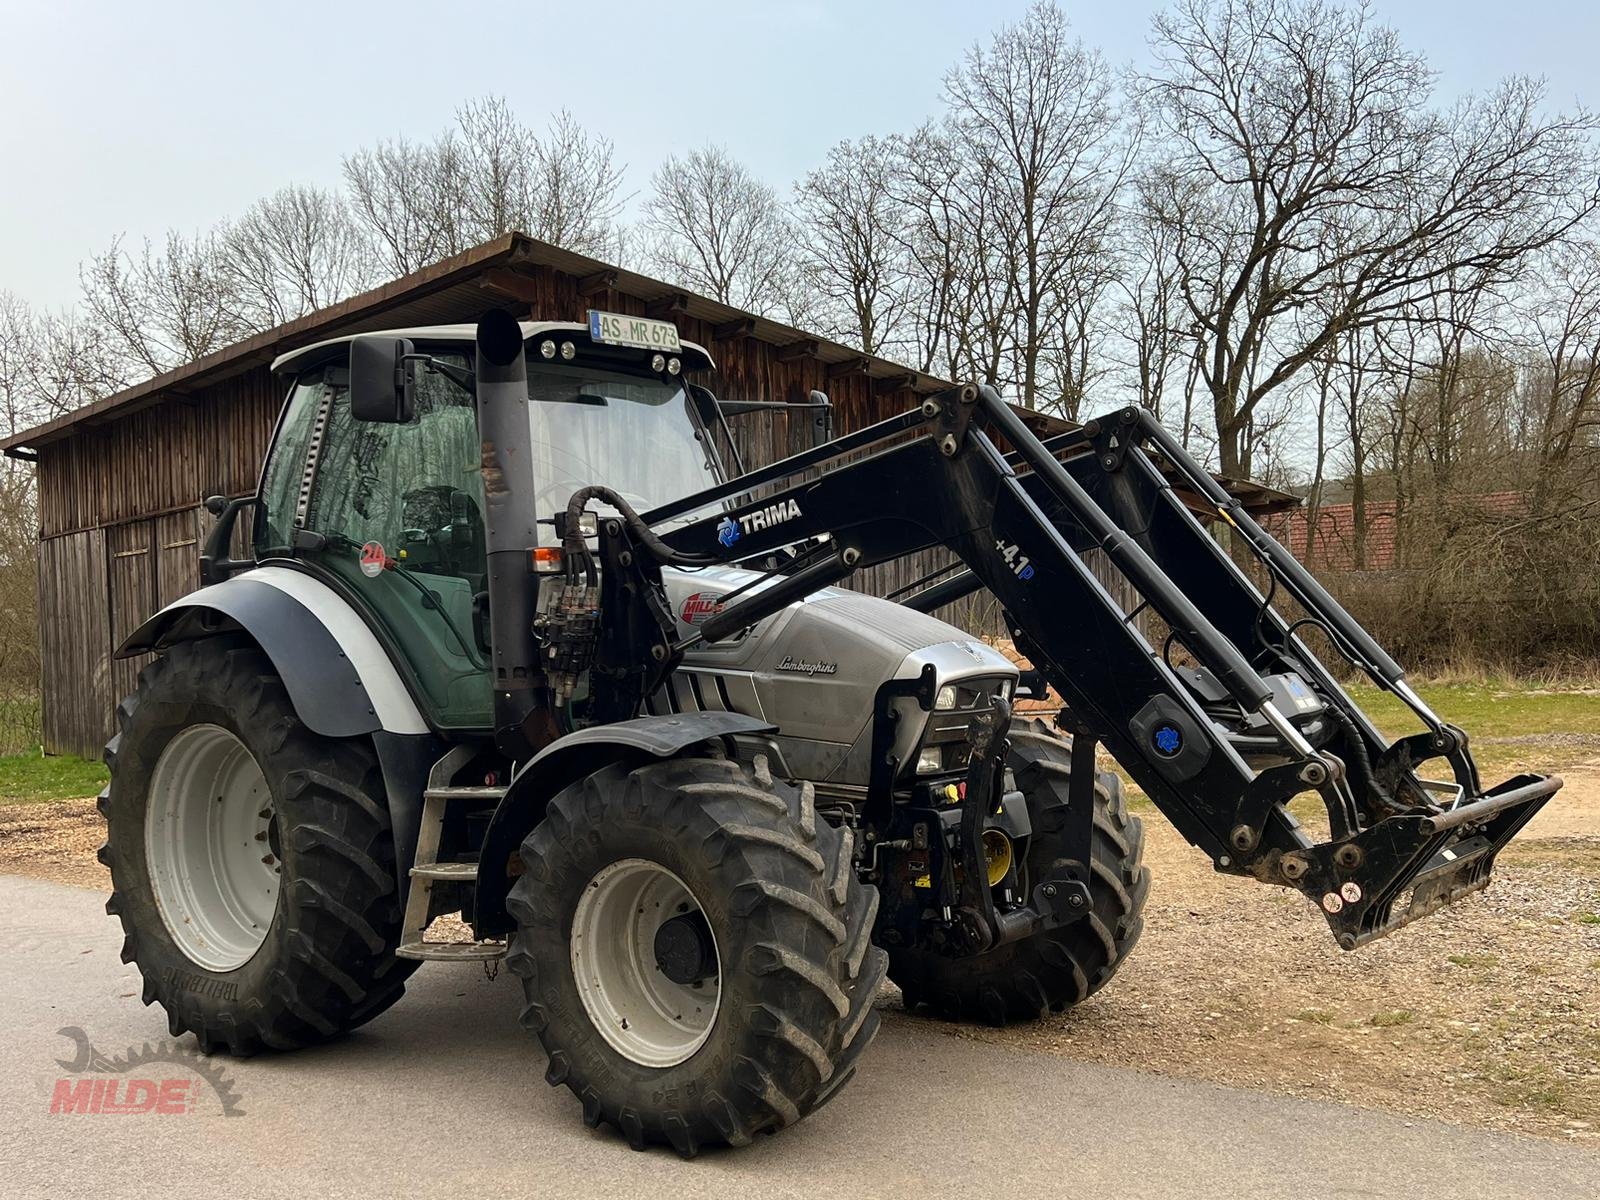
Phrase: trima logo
(772, 514)
(730, 529)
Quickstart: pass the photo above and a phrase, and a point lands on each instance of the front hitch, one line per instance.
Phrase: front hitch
(1055, 900)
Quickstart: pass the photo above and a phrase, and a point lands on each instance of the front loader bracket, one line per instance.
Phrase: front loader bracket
(965, 473)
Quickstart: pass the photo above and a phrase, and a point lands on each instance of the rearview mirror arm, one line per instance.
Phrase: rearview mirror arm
(460, 376)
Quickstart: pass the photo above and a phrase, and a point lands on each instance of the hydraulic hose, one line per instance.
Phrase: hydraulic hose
(574, 551)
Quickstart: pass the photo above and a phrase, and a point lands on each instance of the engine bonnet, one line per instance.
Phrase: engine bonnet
(814, 668)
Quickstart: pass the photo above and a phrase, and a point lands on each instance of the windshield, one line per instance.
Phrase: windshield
(630, 433)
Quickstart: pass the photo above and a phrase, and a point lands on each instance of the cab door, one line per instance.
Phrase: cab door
(395, 514)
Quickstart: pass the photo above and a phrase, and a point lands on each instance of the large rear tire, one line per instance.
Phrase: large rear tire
(252, 864)
(1031, 978)
(773, 1003)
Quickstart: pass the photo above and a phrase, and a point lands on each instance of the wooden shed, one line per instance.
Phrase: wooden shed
(121, 480)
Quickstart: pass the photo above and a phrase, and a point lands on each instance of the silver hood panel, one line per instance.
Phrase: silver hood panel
(814, 669)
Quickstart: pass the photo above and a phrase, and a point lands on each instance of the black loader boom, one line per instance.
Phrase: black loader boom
(1221, 742)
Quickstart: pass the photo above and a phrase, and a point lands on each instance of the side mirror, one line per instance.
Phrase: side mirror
(381, 379)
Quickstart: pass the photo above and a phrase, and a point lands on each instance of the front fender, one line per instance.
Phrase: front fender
(567, 760)
(337, 673)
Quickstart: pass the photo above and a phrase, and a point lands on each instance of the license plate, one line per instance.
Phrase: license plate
(642, 333)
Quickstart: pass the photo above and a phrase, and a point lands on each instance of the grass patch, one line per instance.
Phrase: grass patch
(1387, 1020)
(1497, 709)
(1314, 1016)
(30, 778)
(1587, 918)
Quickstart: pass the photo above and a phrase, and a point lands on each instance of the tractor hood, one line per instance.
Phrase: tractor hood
(814, 668)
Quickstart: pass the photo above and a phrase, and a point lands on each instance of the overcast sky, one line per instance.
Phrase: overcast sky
(130, 117)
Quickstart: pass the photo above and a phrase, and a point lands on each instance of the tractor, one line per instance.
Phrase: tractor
(514, 641)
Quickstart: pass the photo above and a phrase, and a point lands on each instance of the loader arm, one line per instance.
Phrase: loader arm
(1221, 745)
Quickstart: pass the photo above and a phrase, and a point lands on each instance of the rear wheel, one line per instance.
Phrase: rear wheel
(1053, 970)
(251, 860)
(695, 950)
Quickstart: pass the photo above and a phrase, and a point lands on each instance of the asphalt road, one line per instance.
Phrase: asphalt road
(444, 1095)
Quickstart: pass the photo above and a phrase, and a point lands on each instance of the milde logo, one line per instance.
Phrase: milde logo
(125, 1084)
(700, 607)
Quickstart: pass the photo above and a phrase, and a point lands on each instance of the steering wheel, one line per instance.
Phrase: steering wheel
(447, 520)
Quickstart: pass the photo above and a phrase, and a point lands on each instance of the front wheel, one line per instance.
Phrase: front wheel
(1050, 971)
(695, 950)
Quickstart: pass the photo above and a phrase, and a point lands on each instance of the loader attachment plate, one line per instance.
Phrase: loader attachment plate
(1410, 865)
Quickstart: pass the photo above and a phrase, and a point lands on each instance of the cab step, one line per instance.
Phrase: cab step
(428, 871)
(452, 951)
(456, 872)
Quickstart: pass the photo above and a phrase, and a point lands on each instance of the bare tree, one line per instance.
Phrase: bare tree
(936, 238)
(492, 174)
(1289, 124)
(164, 308)
(717, 229)
(853, 241)
(50, 364)
(408, 197)
(1034, 111)
(576, 191)
(1563, 434)
(1150, 317)
(292, 253)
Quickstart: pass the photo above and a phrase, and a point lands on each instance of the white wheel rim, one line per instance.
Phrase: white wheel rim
(645, 1016)
(210, 847)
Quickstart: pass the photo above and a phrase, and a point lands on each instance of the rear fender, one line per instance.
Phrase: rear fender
(564, 762)
(337, 673)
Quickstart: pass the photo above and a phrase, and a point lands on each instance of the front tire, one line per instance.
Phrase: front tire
(252, 864)
(712, 1059)
(1050, 971)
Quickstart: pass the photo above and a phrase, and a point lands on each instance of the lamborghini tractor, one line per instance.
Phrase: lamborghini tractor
(515, 641)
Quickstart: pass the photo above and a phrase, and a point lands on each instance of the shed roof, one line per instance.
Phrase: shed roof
(438, 295)
(476, 278)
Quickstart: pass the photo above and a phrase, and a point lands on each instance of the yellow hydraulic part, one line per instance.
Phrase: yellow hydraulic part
(997, 854)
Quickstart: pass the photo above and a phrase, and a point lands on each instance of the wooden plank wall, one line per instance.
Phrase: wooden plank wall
(159, 460)
(75, 643)
(97, 586)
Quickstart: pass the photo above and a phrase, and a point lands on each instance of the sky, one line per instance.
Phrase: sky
(129, 118)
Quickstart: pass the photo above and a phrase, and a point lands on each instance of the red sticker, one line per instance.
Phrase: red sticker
(700, 607)
(373, 559)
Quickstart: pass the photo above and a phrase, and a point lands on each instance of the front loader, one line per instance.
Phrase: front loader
(513, 643)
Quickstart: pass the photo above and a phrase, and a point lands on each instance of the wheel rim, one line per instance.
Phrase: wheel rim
(212, 848)
(644, 1015)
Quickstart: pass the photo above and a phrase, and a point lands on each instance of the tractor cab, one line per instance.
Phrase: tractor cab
(387, 504)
